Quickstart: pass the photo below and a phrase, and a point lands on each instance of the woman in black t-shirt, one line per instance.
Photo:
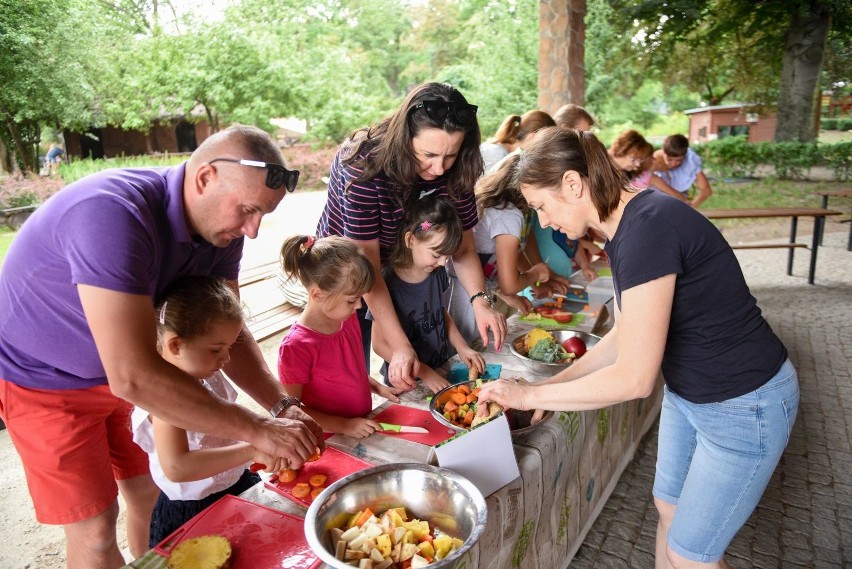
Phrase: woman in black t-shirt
(683, 308)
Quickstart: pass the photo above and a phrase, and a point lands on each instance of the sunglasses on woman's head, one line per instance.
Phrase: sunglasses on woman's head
(276, 174)
(437, 110)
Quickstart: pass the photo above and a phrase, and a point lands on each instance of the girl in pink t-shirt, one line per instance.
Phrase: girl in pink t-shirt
(321, 360)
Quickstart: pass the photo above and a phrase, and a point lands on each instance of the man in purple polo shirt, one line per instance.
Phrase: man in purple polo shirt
(78, 334)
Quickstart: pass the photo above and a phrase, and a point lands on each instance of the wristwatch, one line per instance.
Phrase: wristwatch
(286, 401)
(484, 295)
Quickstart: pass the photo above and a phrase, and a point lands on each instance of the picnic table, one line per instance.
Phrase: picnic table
(569, 466)
(843, 193)
(794, 213)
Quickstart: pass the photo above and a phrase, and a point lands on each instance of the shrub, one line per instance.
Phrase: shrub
(844, 124)
(828, 124)
(838, 157)
(732, 156)
(791, 160)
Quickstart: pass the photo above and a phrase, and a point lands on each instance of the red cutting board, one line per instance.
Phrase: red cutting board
(260, 537)
(404, 415)
(333, 463)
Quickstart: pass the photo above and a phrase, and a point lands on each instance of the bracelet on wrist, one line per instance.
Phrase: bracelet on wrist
(286, 401)
(483, 295)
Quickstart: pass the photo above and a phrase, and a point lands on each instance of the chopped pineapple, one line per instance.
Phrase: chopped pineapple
(204, 552)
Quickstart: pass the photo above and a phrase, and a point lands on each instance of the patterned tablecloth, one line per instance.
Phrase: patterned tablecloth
(569, 466)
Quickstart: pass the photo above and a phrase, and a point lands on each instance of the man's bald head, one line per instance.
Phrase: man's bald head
(239, 141)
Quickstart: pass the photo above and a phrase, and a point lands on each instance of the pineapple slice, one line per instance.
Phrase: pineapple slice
(203, 552)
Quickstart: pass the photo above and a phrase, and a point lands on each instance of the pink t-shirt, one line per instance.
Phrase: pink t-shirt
(331, 368)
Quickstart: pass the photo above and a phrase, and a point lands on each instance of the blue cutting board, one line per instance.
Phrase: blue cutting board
(458, 373)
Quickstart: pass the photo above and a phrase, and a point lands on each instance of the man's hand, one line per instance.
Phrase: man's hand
(489, 319)
(294, 435)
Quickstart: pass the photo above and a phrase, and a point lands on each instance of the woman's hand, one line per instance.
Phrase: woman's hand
(539, 272)
(489, 319)
(512, 393)
(403, 368)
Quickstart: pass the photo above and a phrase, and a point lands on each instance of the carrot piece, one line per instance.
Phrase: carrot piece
(464, 389)
(468, 419)
(301, 490)
(476, 391)
(287, 475)
(315, 456)
(316, 492)
(470, 398)
(459, 398)
(365, 515)
(318, 480)
(450, 406)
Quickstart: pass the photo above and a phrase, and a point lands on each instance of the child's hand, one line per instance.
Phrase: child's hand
(540, 272)
(389, 393)
(359, 427)
(558, 284)
(590, 274)
(270, 463)
(473, 359)
(435, 382)
(520, 303)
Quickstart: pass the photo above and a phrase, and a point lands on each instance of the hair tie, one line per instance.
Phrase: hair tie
(426, 225)
(424, 193)
(163, 314)
(308, 243)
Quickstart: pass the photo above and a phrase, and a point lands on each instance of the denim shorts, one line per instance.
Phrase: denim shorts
(715, 460)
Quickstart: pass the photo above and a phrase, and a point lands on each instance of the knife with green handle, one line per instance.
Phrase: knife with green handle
(402, 428)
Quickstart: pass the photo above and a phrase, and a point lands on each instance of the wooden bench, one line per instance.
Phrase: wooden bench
(16, 216)
(794, 213)
(844, 193)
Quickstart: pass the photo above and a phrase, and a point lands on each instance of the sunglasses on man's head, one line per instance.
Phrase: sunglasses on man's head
(276, 174)
(437, 110)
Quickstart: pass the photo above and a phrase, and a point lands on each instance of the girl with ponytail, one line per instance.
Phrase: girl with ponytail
(682, 308)
(321, 360)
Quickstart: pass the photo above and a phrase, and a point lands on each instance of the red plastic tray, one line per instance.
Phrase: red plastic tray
(333, 463)
(404, 415)
(259, 536)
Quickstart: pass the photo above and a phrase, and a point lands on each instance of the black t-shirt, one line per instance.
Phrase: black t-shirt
(719, 346)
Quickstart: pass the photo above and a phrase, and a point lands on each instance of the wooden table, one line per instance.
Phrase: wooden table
(845, 193)
(794, 213)
(569, 467)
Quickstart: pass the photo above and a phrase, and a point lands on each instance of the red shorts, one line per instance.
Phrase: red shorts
(74, 443)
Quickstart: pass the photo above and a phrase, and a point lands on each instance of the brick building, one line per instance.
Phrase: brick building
(710, 123)
(170, 135)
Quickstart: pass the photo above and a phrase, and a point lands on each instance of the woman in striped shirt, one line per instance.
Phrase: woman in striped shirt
(429, 145)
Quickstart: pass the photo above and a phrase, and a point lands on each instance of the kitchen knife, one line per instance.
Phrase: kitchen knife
(402, 428)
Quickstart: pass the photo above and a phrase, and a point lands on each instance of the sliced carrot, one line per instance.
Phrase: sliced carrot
(470, 398)
(459, 398)
(287, 475)
(301, 490)
(450, 406)
(316, 492)
(476, 391)
(468, 419)
(365, 515)
(313, 457)
(464, 389)
(318, 480)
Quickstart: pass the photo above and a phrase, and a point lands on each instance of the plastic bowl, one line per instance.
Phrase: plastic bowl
(448, 501)
(547, 369)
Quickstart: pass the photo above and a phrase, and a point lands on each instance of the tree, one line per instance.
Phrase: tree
(738, 35)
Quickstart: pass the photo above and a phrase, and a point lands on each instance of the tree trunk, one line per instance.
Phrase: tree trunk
(561, 71)
(804, 48)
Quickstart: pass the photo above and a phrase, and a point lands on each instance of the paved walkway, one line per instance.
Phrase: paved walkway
(805, 517)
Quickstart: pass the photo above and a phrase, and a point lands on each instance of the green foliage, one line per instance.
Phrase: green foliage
(86, 166)
(736, 157)
(838, 157)
(843, 124)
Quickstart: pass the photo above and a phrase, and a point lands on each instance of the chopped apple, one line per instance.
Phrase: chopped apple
(351, 533)
(408, 551)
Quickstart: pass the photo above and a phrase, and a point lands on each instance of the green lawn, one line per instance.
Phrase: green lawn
(6, 236)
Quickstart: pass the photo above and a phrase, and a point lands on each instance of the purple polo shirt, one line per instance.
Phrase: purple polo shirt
(122, 230)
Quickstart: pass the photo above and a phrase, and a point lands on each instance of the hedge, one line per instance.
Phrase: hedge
(734, 156)
(836, 124)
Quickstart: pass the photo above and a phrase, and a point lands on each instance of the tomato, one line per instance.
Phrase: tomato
(563, 317)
